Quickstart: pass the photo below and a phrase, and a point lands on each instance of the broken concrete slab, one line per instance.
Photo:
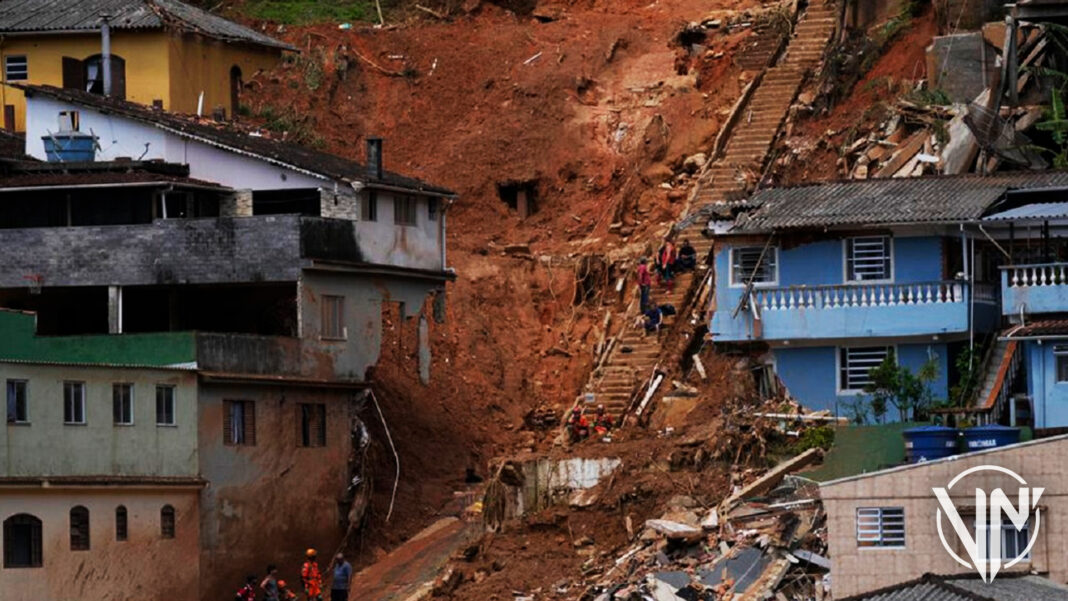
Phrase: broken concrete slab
(813, 558)
(674, 530)
(773, 477)
(961, 65)
(744, 568)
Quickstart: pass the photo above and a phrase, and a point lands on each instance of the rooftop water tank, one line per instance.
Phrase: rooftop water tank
(927, 443)
(70, 147)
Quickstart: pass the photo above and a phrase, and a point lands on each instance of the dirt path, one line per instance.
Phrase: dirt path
(408, 572)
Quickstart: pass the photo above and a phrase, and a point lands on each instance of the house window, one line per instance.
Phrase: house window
(1062, 367)
(166, 522)
(746, 262)
(94, 75)
(22, 541)
(121, 524)
(74, 402)
(1013, 541)
(404, 210)
(868, 258)
(312, 424)
(855, 365)
(880, 526)
(432, 206)
(239, 423)
(79, 529)
(164, 405)
(334, 317)
(17, 411)
(369, 207)
(16, 68)
(122, 404)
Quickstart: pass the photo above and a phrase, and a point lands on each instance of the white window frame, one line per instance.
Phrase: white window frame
(839, 384)
(845, 261)
(80, 401)
(874, 522)
(130, 386)
(174, 405)
(773, 251)
(1008, 527)
(25, 67)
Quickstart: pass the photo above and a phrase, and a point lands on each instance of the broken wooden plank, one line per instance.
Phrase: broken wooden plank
(904, 154)
(675, 530)
(769, 480)
(700, 367)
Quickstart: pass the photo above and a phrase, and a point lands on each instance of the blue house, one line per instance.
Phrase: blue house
(828, 280)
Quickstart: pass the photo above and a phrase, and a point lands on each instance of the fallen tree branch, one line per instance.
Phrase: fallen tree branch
(377, 67)
(430, 11)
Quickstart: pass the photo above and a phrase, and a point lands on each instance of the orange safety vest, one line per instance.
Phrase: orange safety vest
(313, 580)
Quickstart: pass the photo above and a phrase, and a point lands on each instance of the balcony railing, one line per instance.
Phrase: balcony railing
(867, 295)
(1047, 274)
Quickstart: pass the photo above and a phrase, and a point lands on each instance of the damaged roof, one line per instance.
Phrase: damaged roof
(939, 588)
(228, 137)
(932, 199)
(20, 175)
(30, 16)
(1044, 327)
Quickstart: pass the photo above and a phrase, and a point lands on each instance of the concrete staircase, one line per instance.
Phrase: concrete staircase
(631, 361)
(747, 150)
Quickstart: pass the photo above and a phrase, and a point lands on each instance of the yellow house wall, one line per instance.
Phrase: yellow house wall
(171, 67)
(146, 54)
(202, 64)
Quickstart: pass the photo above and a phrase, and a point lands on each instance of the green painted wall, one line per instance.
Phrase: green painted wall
(20, 342)
(46, 446)
(862, 449)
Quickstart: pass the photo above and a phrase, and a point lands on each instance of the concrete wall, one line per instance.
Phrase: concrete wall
(418, 246)
(1039, 293)
(1049, 397)
(363, 298)
(811, 374)
(861, 569)
(47, 447)
(146, 566)
(267, 503)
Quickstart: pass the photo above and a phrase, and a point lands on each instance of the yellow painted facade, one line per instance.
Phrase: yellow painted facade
(160, 65)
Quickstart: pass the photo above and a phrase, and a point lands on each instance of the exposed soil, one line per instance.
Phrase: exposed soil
(591, 110)
(902, 61)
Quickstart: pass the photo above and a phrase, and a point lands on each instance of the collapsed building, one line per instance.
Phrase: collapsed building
(187, 342)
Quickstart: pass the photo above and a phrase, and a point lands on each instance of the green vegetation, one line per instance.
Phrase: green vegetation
(295, 128)
(895, 385)
(819, 436)
(301, 12)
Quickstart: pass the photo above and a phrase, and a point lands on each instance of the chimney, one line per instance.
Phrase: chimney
(374, 158)
(105, 52)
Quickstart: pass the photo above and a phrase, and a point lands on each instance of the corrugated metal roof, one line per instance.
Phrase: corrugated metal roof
(1036, 210)
(924, 591)
(934, 199)
(24, 16)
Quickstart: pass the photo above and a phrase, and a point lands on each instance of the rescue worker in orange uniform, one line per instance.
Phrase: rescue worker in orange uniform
(311, 577)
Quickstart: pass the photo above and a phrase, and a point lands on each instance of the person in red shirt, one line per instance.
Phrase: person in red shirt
(665, 264)
(579, 424)
(247, 592)
(645, 281)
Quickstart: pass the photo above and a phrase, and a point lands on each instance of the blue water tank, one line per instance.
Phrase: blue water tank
(989, 437)
(70, 147)
(926, 443)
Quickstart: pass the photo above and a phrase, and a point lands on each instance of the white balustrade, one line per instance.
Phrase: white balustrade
(865, 295)
(1050, 274)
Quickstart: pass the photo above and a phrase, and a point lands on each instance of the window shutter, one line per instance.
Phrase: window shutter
(73, 73)
(250, 423)
(228, 414)
(118, 78)
(321, 430)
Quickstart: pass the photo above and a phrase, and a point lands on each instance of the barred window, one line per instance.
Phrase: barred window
(880, 526)
(868, 258)
(166, 521)
(746, 263)
(855, 365)
(16, 68)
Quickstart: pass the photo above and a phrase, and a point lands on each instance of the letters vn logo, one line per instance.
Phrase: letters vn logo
(985, 547)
